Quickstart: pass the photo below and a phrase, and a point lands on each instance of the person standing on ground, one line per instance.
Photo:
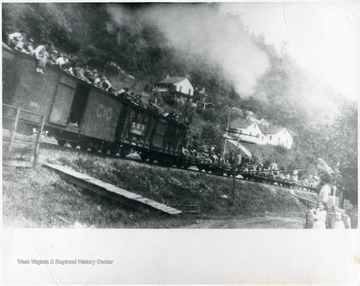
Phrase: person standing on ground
(325, 189)
(319, 215)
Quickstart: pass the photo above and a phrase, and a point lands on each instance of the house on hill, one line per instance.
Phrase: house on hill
(279, 136)
(180, 85)
(251, 132)
(248, 131)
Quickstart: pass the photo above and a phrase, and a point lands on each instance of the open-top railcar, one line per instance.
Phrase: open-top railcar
(86, 116)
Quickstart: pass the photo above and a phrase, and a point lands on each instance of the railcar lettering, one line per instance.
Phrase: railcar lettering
(137, 128)
(104, 112)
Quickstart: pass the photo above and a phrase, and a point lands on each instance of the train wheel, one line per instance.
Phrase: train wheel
(104, 149)
(123, 153)
(114, 149)
(94, 147)
(84, 146)
(73, 144)
(61, 142)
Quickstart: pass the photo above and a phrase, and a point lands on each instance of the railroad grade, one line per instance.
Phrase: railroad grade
(106, 155)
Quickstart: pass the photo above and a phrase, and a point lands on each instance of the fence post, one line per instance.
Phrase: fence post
(37, 144)
(12, 137)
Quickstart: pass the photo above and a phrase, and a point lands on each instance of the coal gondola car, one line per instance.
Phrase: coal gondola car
(86, 116)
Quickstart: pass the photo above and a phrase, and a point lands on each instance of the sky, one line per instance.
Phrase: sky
(323, 38)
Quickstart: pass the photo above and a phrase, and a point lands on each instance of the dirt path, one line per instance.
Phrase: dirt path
(255, 223)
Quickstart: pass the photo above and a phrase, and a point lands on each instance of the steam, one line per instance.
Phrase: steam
(200, 30)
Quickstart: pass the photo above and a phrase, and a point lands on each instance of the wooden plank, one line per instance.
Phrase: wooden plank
(107, 189)
(17, 163)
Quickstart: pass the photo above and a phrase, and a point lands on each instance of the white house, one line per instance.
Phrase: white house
(248, 131)
(175, 83)
(279, 136)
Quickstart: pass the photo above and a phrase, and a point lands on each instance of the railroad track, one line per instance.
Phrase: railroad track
(138, 160)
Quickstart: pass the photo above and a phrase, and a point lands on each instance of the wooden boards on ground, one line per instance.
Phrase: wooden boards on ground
(107, 189)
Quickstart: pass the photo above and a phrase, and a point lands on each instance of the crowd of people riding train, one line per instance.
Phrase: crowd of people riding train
(211, 157)
(46, 54)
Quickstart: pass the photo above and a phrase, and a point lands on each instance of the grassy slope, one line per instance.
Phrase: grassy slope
(39, 198)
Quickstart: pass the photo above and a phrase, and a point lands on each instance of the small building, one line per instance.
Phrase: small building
(180, 85)
(248, 131)
(279, 136)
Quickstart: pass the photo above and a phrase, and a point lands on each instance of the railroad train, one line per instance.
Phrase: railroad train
(83, 115)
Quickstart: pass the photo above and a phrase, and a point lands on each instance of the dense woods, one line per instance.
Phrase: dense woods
(133, 37)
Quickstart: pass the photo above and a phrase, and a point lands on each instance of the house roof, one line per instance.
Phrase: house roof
(240, 123)
(173, 79)
(273, 129)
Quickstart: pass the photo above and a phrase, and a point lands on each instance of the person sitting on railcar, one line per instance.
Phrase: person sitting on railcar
(106, 83)
(97, 80)
(62, 61)
(70, 65)
(93, 75)
(185, 151)
(41, 56)
(112, 91)
(28, 47)
(79, 72)
(88, 74)
(17, 40)
(70, 70)
(123, 92)
(52, 58)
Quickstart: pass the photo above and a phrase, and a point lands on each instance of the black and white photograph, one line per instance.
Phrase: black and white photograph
(185, 116)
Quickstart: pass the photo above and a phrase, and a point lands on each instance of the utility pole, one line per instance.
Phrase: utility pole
(227, 128)
(234, 171)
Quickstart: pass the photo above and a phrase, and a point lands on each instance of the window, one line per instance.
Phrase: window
(189, 91)
(270, 137)
(258, 136)
(180, 88)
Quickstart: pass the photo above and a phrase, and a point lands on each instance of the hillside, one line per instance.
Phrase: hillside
(40, 198)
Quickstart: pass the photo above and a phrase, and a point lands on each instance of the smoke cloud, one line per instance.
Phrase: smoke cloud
(200, 29)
